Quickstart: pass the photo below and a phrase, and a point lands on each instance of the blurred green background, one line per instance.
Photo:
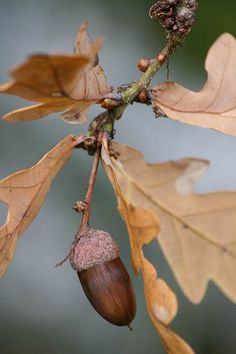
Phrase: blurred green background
(43, 309)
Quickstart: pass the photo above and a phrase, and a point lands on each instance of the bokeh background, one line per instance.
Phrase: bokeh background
(43, 309)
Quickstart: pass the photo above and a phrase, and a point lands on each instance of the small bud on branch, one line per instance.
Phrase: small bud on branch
(143, 64)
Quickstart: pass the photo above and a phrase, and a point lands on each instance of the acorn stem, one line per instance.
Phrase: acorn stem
(89, 193)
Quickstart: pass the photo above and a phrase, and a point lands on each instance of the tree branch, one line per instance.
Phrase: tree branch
(105, 121)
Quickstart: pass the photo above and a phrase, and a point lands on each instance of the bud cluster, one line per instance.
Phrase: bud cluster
(176, 16)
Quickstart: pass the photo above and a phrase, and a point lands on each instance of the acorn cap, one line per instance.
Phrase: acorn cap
(94, 247)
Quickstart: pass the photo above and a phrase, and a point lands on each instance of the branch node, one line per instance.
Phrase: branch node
(80, 206)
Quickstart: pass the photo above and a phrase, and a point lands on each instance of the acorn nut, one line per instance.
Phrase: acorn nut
(104, 277)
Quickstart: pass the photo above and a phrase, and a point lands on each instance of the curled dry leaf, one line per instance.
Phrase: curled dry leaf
(215, 105)
(58, 82)
(197, 230)
(143, 227)
(24, 192)
(173, 343)
(93, 86)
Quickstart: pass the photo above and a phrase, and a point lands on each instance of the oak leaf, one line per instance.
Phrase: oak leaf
(59, 82)
(24, 192)
(143, 227)
(93, 86)
(197, 230)
(215, 105)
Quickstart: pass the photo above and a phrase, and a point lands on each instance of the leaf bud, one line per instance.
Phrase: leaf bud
(143, 64)
(161, 57)
(143, 97)
(104, 277)
(109, 103)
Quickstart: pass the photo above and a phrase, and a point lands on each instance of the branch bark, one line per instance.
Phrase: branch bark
(105, 122)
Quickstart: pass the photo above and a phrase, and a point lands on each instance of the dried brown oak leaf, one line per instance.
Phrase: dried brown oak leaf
(143, 227)
(197, 230)
(215, 105)
(59, 82)
(24, 192)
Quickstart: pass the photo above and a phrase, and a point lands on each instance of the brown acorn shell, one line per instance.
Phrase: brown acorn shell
(109, 289)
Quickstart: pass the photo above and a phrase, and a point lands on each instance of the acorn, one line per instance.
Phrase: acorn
(103, 276)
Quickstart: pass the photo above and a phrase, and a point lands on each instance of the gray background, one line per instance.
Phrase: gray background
(43, 309)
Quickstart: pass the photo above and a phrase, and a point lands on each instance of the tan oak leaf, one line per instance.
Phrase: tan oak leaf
(143, 227)
(214, 106)
(24, 193)
(58, 82)
(197, 230)
(93, 86)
